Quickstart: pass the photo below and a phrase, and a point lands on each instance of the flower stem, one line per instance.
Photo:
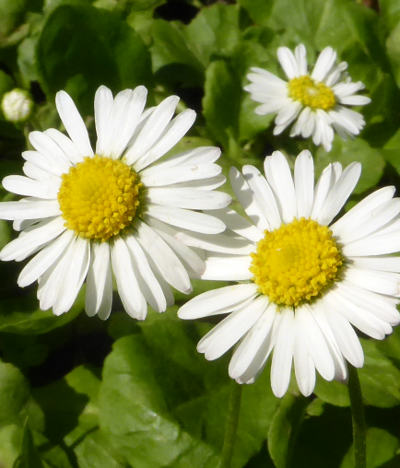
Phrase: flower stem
(232, 420)
(358, 419)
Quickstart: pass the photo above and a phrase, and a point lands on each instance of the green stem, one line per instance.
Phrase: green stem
(232, 420)
(358, 419)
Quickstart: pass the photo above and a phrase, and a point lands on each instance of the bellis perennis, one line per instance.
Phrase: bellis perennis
(113, 211)
(305, 278)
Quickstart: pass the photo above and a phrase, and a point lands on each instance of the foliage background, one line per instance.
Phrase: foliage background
(78, 392)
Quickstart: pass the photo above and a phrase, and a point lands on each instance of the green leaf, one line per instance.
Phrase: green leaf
(18, 317)
(132, 407)
(11, 14)
(173, 60)
(197, 391)
(381, 448)
(214, 32)
(284, 427)
(335, 393)
(29, 457)
(98, 48)
(221, 102)
(383, 392)
(348, 151)
(10, 443)
(14, 394)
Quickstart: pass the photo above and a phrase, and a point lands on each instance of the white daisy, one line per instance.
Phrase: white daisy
(89, 215)
(316, 103)
(303, 285)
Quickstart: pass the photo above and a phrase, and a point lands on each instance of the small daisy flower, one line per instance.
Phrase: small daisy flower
(305, 279)
(315, 103)
(91, 215)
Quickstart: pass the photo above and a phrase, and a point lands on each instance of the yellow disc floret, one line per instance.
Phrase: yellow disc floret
(294, 263)
(311, 93)
(99, 197)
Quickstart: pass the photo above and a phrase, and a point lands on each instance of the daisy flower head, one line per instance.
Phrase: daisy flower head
(316, 104)
(91, 215)
(306, 279)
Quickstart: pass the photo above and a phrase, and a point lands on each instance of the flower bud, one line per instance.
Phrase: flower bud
(17, 105)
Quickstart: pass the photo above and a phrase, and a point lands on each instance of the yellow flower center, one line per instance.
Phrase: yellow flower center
(311, 93)
(99, 197)
(294, 263)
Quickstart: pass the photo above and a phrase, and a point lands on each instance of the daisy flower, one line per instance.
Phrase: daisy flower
(306, 279)
(315, 103)
(91, 215)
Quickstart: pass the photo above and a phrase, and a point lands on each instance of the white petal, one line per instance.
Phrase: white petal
(346, 225)
(46, 146)
(222, 243)
(192, 262)
(128, 288)
(360, 317)
(347, 120)
(288, 62)
(379, 281)
(35, 172)
(73, 277)
(25, 186)
(148, 283)
(239, 225)
(218, 301)
(374, 221)
(44, 259)
(188, 198)
(338, 359)
(383, 307)
(151, 131)
(324, 185)
(186, 219)
(51, 282)
(280, 179)
(45, 163)
(247, 200)
(251, 350)
(301, 59)
(193, 158)
(376, 244)
(157, 176)
(227, 268)
(224, 335)
(303, 364)
(315, 342)
(66, 145)
(98, 298)
(173, 133)
(103, 104)
(356, 100)
(288, 113)
(381, 263)
(344, 334)
(29, 209)
(163, 256)
(263, 195)
(339, 193)
(304, 183)
(324, 64)
(283, 352)
(31, 240)
(123, 118)
(73, 123)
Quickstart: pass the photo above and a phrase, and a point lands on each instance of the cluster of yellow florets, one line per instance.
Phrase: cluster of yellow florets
(294, 263)
(311, 93)
(99, 197)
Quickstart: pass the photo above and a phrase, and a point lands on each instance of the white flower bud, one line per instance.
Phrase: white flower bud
(17, 105)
